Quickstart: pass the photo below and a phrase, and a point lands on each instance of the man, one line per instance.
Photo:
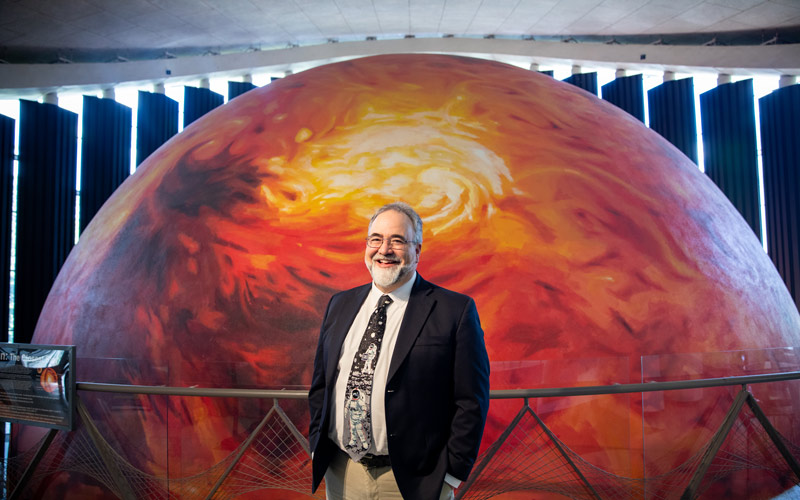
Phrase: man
(400, 388)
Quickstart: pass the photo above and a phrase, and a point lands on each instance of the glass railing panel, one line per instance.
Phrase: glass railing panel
(125, 371)
(691, 366)
(241, 374)
(679, 425)
(205, 434)
(597, 436)
(643, 444)
(126, 434)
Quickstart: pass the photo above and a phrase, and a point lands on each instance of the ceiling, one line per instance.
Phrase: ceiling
(48, 31)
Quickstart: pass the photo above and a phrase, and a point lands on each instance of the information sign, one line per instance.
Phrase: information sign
(37, 385)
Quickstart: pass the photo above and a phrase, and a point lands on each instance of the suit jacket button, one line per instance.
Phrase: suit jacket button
(389, 390)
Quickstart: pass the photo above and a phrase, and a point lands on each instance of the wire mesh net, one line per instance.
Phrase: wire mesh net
(527, 459)
(275, 458)
(532, 460)
(747, 447)
(278, 459)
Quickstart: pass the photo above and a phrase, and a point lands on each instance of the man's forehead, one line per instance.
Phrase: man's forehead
(392, 221)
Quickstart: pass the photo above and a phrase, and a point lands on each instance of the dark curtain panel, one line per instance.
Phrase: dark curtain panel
(6, 195)
(626, 93)
(197, 102)
(156, 122)
(672, 114)
(48, 151)
(729, 146)
(780, 153)
(235, 89)
(105, 153)
(586, 81)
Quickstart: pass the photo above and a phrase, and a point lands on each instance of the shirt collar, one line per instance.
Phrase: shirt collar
(401, 294)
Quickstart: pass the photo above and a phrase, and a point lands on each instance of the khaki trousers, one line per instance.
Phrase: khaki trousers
(349, 480)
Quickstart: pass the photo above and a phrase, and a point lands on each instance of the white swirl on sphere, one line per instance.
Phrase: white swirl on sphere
(424, 159)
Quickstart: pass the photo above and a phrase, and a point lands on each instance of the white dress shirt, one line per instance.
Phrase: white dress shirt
(394, 316)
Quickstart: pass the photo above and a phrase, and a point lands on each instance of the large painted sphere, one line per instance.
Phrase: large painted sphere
(595, 251)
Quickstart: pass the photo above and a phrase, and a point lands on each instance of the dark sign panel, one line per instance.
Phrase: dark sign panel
(37, 385)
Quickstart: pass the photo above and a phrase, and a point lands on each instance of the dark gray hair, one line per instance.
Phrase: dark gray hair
(403, 208)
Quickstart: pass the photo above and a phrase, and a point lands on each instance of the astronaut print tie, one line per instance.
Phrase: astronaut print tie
(357, 414)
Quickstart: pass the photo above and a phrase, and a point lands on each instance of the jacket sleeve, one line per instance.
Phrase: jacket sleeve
(317, 392)
(471, 394)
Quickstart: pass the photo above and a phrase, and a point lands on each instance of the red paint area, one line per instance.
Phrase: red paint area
(586, 240)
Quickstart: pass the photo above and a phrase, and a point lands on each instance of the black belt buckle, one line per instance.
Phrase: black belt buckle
(375, 461)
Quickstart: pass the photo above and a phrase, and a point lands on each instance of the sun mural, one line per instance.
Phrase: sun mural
(595, 252)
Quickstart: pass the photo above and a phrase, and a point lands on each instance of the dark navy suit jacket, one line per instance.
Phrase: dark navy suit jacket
(437, 390)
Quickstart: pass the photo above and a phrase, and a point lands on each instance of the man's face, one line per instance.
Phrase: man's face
(390, 268)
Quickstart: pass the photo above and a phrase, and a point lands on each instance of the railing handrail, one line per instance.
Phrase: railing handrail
(495, 394)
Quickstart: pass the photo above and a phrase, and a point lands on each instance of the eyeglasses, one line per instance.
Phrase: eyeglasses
(395, 242)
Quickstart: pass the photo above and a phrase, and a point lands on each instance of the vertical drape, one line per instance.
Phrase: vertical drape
(105, 153)
(48, 150)
(6, 195)
(197, 102)
(780, 152)
(235, 89)
(156, 122)
(626, 93)
(672, 114)
(729, 146)
(586, 81)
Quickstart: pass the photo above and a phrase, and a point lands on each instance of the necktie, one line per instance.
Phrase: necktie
(357, 414)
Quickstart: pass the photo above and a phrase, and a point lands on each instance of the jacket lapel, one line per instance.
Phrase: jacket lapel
(419, 307)
(349, 309)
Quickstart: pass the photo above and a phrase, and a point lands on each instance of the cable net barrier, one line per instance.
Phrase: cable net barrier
(276, 458)
(527, 459)
(748, 446)
(531, 460)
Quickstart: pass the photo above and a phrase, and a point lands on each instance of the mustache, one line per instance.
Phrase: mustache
(378, 257)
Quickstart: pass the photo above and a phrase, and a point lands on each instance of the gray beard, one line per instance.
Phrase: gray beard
(385, 278)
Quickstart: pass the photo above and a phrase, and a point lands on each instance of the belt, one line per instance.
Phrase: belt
(375, 461)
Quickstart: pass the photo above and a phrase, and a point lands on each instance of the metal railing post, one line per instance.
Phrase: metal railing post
(244, 446)
(106, 455)
(554, 439)
(773, 435)
(490, 452)
(115, 463)
(714, 446)
(292, 428)
(26, 476)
